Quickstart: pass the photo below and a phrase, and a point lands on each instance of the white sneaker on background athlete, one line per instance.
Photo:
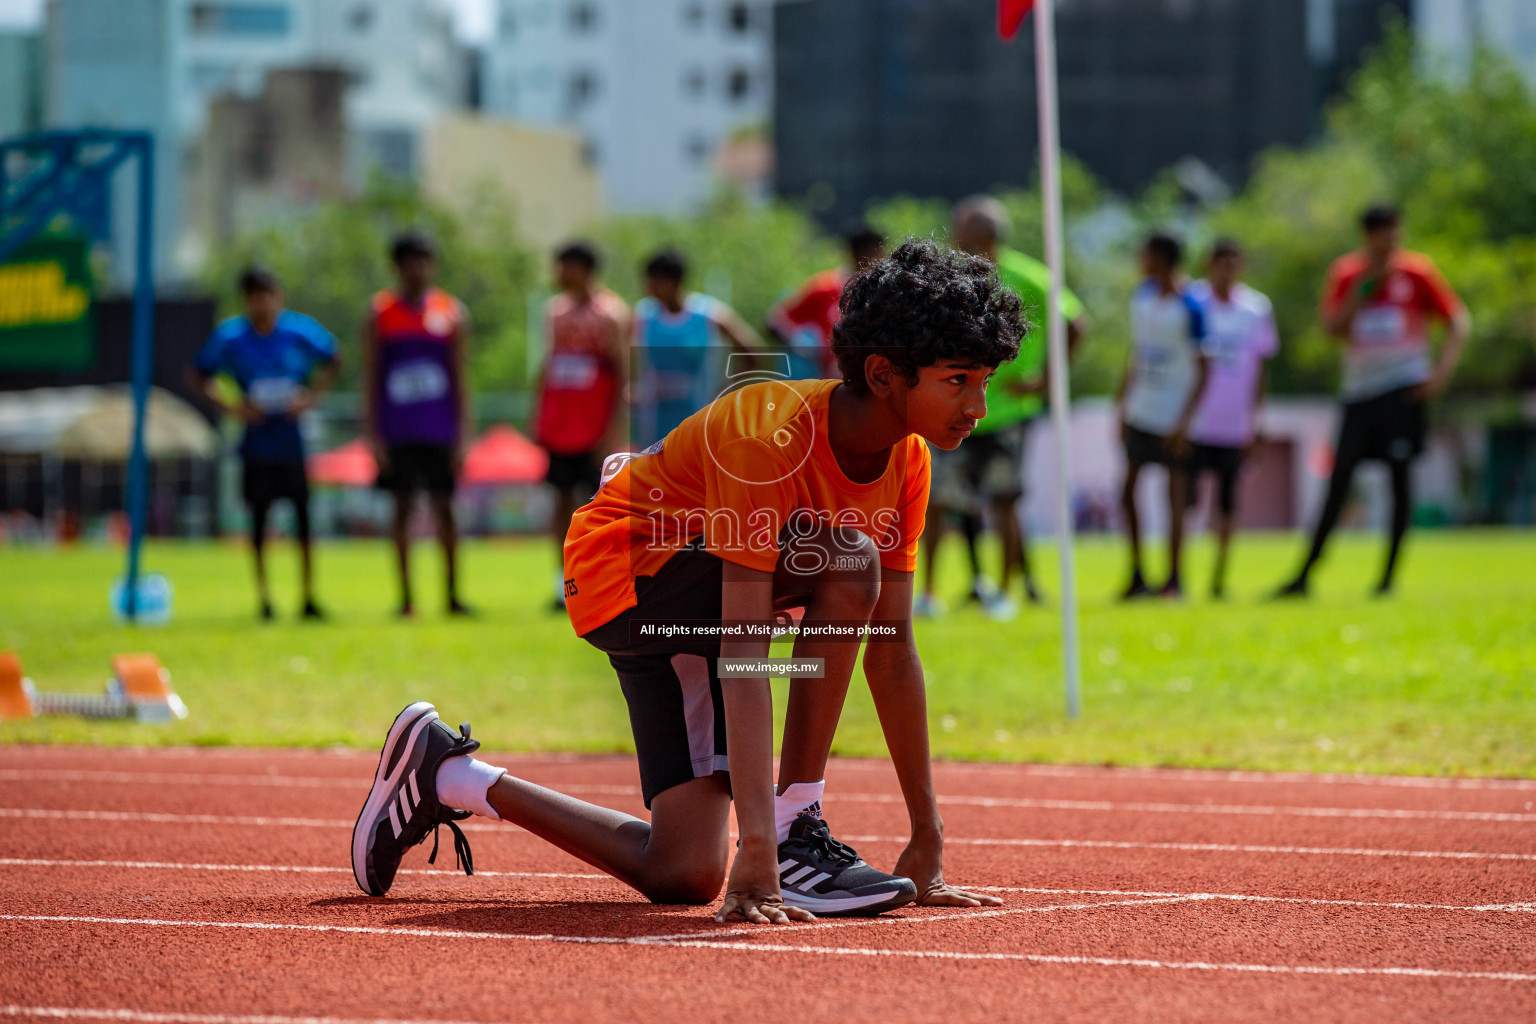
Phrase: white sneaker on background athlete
(926, 606)
(1000, 607)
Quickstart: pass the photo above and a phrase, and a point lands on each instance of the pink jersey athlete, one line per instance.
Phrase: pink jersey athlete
(581, 374)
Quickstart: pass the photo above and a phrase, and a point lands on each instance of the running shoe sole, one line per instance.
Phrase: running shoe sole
(851, 906)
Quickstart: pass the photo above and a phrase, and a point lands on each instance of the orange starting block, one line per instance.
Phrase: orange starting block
(140, 688)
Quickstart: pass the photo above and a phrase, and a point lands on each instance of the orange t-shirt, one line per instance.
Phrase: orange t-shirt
(735, 473)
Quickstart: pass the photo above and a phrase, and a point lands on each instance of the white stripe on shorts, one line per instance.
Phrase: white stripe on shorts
(699, 713)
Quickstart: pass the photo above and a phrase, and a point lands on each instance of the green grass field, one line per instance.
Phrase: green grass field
(1440, 679)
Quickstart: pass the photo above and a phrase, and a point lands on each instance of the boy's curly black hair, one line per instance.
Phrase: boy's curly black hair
(922, 304)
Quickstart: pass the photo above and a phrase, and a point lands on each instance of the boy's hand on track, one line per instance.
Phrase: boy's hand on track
(760, 908)
(923, 862)
(942, 894)
(752, 891)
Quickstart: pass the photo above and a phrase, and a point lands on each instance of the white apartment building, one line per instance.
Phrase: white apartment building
(1455, 27)
(156, 64)
(400, 56)
(654, 86)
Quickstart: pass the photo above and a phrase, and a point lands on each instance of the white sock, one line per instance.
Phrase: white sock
(800, 796)
(462, 783)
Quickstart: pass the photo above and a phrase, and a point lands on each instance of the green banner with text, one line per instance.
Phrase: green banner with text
(45, 306)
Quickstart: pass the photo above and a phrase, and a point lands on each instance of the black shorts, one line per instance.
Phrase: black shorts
(996, 465)
(672, 686)
(1144, 448)
(418, 467)
(1226, 463)
(262, 483)
(1391, 427)
(582, 471)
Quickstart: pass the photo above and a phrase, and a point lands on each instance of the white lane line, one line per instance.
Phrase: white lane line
(342, 929)
(1104, 961)
(1117, 807)
(172, 819)
(1510, 908)
(1311, 851)
(150, 1017)
(442, 933)
(964, 915)
(1066, 771)
(1022, 803)
(506, 829)
(257, 821)
(358, 782)
(156, 865)
(1061, 771)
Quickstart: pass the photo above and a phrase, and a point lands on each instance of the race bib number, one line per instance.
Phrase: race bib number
(1153, 364)
(572, 371)
(410, 383)
(272, 394)
(1380, 325)
(672, 387)
(1227, 338)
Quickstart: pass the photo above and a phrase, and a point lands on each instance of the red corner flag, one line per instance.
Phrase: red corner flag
(1010, 15)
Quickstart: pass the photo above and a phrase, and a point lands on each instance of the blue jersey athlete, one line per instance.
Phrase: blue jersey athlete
(677, 358)
(281, 361)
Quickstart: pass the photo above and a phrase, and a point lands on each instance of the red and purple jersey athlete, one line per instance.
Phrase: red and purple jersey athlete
(417, 383)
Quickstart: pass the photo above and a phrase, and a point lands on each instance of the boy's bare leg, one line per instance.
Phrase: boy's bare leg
(1178, 503)
(1223, 545)
(401, 530)
(845, 592)
(933, 533)
(259, 557)
(1133, 528)
(448, 540)
(681, 856)
(895, 677)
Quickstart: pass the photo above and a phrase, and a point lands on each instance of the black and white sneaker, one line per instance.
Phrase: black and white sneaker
(402, 806)
(826, 877)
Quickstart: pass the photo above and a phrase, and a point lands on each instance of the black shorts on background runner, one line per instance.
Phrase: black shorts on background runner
(262, 483)
(581, 472)
(1144, 448)
(1390, 427)
(672, 686)
(1226, 463)
(418, 467)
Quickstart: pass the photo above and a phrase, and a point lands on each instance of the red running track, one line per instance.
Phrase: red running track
(213, 887)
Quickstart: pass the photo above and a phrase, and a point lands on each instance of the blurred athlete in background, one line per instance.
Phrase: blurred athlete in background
(803, 322)
(1240, 336)
(580, 413)
(1380, 302)
(1165, 377)
(416, 402)
(988, 470)
(677, 358)
(282, 362)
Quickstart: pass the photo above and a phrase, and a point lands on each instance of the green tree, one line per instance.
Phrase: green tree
(333, 258)
(1456, 148)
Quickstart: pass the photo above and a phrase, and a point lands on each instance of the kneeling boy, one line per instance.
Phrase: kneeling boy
(780, 494)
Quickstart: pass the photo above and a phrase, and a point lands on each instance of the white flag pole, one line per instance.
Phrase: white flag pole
(1050, 179)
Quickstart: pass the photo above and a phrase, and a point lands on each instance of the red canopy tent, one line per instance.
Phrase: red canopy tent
(351, 465)
(503, 455)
